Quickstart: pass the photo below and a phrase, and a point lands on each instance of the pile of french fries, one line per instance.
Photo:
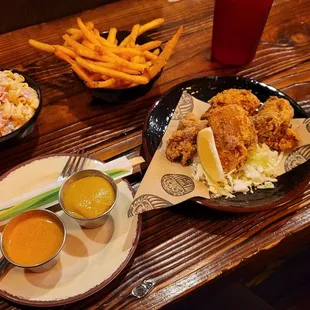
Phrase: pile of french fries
(107, 63)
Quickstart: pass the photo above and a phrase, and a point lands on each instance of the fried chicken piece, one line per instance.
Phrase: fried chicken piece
(182, 145)
(191, 120)
(234, 134)
(242, 97)
(289, 141)
(272, 123)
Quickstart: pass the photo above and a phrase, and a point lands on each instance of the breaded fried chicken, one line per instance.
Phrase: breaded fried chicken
(272, 124)
(191, 120)
(234, 135)
(242, 97)
(182, 145)
(289, 141)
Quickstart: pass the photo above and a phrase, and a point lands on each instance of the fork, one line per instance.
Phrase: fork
(75, 163)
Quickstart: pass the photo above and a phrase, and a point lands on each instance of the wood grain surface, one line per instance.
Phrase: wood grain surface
(22, 13)
(186, 246)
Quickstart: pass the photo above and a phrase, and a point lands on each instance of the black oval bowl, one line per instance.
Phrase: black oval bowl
(123, 95)
(20, 133)
(289, 185)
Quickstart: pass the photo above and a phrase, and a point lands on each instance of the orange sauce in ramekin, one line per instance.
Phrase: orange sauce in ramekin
(32, 239)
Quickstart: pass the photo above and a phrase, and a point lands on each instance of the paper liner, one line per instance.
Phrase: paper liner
(166, 183)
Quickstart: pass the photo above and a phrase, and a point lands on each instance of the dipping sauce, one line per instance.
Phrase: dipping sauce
(31, 239)
(88, 197)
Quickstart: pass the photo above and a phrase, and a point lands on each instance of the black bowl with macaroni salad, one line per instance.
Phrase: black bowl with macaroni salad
(20, 105)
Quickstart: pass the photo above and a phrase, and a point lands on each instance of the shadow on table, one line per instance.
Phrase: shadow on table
(26, 147)
(203, 218)
(275, 279)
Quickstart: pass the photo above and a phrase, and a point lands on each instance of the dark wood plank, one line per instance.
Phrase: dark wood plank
(278, 277)
(187, 246)
(23, 13)
(68, 117)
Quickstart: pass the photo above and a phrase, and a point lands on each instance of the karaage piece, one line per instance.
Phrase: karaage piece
(242, 97)
(234, 134)
(272, 123)
(289, 141)
(191, 120)
(182, 145)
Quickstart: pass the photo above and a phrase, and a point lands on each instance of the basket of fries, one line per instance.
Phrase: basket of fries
(115, 66)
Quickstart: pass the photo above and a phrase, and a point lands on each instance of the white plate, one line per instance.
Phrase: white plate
(90, 259)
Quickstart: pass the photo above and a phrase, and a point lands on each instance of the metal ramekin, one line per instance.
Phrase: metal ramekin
(88, 222)
(44, 266)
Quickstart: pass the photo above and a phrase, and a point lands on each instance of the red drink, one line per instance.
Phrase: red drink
(237, 28)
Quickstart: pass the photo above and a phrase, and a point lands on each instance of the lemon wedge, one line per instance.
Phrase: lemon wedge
(208, 155)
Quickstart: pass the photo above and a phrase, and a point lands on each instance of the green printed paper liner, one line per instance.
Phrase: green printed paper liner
(166, 183)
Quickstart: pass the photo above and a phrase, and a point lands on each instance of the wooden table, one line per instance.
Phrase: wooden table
(186, 246)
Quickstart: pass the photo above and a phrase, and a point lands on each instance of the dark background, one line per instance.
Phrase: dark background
(276, 279)
(15, 14)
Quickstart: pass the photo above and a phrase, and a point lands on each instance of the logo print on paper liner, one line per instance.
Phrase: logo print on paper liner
(297, 157)
(147, 202)
(185, 106)
(307, 122)
(177, 184)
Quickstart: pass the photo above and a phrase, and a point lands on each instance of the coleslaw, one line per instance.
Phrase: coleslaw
(260, 171)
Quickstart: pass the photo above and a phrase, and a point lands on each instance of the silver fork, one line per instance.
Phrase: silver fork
(75, 163)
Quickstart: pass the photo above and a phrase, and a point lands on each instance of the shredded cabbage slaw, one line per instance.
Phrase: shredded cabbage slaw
(260, 171)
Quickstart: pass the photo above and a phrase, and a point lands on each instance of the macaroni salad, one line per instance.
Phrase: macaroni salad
(18, 102)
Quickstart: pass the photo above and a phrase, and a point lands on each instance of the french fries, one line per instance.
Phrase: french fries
(77, 34)
(87, 33)
(64, 56)
(82, 73)
(110, 63)
(138, 60)
(66, 50)
(102, 84)
(150, 55)
(112, 35)
(133, 36)
(118, 50)
(73, 30)
(93, 67)
(166, 53)
(42, 46)
(150, 45)
(151, 25)
(146, 27)
(156, 52)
